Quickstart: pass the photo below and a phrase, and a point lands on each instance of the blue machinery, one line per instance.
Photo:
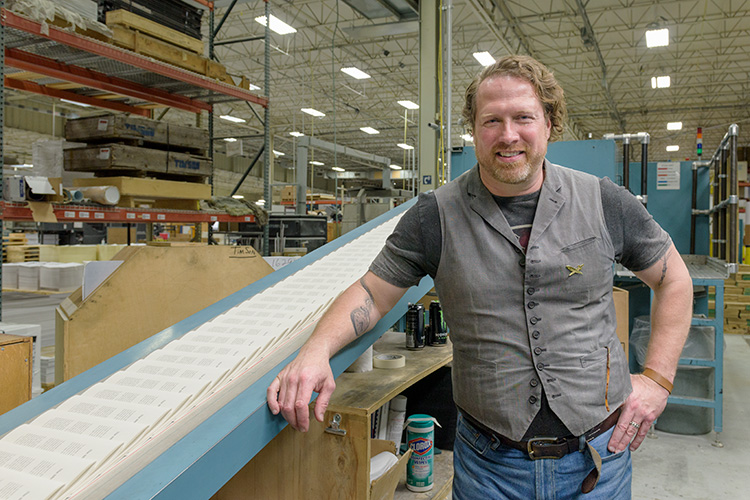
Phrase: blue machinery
(199, 464)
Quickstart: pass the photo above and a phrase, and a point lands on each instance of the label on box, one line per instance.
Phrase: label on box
(102, 124)
(104, 153)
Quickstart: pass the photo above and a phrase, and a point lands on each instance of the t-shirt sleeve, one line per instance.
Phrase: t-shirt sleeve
(412, 251)
(638, 239)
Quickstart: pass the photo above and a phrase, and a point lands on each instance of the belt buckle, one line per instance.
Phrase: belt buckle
(541, 441)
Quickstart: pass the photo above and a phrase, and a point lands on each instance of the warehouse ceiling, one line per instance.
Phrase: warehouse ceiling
(597, 50)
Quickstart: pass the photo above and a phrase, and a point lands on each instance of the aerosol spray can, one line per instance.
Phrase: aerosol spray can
(420, 435)
(415, 327)
(438, 328)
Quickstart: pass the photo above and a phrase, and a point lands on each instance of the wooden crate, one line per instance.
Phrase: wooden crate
(137, 23)
(121, 159)
(152, 47)
(122, 128)
(15, 371)
(151, 189)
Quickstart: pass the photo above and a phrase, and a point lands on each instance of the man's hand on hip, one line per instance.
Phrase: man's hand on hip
(642, 407)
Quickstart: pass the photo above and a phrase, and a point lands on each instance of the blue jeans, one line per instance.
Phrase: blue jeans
(486, 470)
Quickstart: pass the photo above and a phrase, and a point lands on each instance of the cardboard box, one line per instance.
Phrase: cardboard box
(384, 487)
(742, 171)
(15, 371)
(620, 298)
(288, 193)
(119, 235)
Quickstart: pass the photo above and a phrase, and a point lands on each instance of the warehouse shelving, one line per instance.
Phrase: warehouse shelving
(62, 56)
(102, 214)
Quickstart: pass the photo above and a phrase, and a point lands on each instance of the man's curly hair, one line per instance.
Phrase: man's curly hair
(545, 85)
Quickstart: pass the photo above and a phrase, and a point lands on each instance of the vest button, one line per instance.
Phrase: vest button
(532, 400)
(538, 351)
(535, 334)
(534, 320)
(534, 382)
(540, 366)
(522, 262)
(531, 290)
(532, 305)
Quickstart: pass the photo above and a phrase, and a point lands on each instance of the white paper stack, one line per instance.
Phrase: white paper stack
(35, 332)
(62, 276)
(10, 275)
(48, 370)
(28, 275)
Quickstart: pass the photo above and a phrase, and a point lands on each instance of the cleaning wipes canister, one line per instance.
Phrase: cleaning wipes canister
(420, 435)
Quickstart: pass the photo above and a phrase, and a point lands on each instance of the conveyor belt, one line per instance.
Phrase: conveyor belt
(201, 443)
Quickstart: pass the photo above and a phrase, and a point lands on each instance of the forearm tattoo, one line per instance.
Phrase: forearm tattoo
(361, 315)
(664, 267)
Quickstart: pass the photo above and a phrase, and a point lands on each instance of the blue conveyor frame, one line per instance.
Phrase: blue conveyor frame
(200, 463)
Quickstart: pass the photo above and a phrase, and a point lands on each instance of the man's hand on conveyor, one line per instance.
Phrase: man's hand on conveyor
(291, 390)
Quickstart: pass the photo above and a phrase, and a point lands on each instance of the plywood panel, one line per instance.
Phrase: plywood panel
(153, 289)
(15, 371)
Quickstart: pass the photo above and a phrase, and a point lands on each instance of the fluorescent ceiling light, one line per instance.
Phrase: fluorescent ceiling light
(82, 104)
(467, 138)
(409, 104)
(484, 58)
(296, 134)
(261, 203)
(369, 130)
(238, 196)
(253, 87)
(404, 146)
(230, 139)
(395, 167)
(21, 165)
(317, 163)
(355, 73)
(673, 148)
(313, 112)
(660, 82)
(232, 119)
(674, 126)
(278, 153)
(338, 169)
(277, 25)
(657, 38)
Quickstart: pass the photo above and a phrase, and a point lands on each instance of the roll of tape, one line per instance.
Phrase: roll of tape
(389, 361)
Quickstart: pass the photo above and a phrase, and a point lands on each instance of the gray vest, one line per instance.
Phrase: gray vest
(522, 322)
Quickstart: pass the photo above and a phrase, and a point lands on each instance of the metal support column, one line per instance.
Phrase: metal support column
(644, 170)
(446, 122)
(428, 93)
(626, 162)
(211, 118)
(733, 207)
(266, 128)
(2, 137)
(723, 196)
(715, 215)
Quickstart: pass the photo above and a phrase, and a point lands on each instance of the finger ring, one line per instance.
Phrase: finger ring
(635, 424)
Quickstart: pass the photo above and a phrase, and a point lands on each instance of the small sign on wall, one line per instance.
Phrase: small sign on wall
(668, 175)
(427, 179)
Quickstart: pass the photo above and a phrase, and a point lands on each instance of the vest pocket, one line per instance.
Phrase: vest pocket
(582, 265)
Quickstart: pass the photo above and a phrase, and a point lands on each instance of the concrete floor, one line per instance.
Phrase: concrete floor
(667, 467)
(674, 466)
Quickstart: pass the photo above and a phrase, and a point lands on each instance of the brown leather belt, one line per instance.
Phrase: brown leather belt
(549, 447)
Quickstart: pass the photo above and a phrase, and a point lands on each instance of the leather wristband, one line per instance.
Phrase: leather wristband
(659, 379)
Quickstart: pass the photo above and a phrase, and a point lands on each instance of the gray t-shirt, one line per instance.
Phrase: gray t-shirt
(414, 248)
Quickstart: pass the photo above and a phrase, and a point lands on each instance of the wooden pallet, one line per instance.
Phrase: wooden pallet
(129, 20)
(149, 46)
(21, 253)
